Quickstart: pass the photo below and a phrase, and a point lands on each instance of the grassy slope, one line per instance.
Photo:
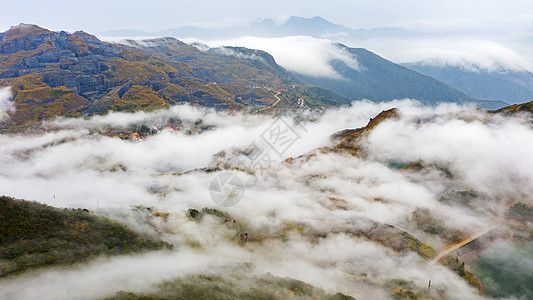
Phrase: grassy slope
(517, 108)
(36, 101)
(34, 235)
(233, 286)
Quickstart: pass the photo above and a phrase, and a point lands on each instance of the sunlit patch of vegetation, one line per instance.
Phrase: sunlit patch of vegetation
(140, 98)
(513, 109)
(419, 247)
(406, 290)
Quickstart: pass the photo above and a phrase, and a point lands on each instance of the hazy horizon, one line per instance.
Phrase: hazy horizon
(452, 32)
(97, 16)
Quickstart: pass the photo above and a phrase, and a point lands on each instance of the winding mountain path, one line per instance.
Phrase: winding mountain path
(461, 244)
(278, 99)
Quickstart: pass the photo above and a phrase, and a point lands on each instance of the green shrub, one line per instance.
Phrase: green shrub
(34, 235)
(234, 285)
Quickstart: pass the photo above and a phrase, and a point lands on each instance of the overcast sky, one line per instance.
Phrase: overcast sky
(487, 34)
(101, 15)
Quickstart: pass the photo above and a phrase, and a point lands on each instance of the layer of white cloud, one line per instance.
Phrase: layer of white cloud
(301, 54)
(72, 167)
(472, 55)
(6, 104)
(231, 52)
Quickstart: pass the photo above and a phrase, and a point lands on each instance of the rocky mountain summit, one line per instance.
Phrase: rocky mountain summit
(58, 57)
(58, 73)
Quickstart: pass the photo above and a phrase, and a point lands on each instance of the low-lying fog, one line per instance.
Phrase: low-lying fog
(75, 165)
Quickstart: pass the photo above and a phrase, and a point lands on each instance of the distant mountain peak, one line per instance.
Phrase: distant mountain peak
(312, 19)
(292, 21)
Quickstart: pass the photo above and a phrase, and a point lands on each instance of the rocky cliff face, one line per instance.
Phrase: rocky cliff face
(145, 75)
(52, 60)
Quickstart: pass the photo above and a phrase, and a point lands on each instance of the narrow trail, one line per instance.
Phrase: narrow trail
(278, 99)
(460, 244)
(115, 98)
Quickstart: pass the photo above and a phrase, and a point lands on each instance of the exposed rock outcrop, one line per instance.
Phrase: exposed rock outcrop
(102, 73)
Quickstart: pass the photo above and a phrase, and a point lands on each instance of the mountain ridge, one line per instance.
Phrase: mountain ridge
(57, 73)
(510, 86)
(315, 26)
(382, 80)
(62, 74)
